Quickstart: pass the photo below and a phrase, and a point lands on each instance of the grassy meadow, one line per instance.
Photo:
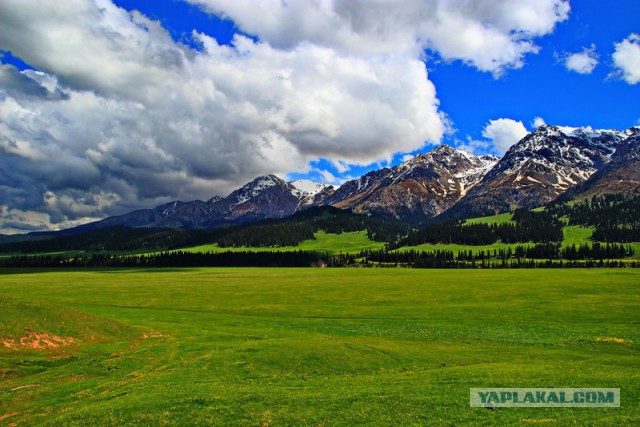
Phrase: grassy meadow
(330, 243)
(312, 346)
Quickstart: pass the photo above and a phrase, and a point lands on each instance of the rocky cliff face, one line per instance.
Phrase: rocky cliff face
(621, 175)
(419, 188)
(539, 168)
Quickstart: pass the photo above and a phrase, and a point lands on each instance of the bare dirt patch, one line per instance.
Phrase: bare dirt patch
(37, 341)
(154, 335)
(5, 416)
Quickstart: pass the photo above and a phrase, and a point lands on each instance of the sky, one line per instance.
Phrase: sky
(112, 105)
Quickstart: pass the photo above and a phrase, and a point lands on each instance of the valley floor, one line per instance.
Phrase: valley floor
(312, 346)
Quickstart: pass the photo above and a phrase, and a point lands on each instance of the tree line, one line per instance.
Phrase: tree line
(173, 259)
(117, 238)
(615, 217)
(413, 259)
(549, 251)
(528, 226)
(301, 226)
(270, 233)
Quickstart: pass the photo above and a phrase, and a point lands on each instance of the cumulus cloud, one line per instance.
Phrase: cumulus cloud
(328, 177)
(503, 133)
(28, 83)
(583, 62)
(626, 59)
(475, 146)
(491, 35)
(406, 158)
(537, 122)
(120, 116)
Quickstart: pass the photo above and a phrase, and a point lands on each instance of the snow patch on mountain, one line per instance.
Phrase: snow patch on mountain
(306, 191)
(254, 188)
(305, 188)
(170, 208)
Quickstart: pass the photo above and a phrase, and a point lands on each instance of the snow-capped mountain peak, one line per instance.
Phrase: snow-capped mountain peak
(540, 167)
(304, 187)
(255, 188)
(453, 159)
(422, 186)
(566, 150)
(309, 192)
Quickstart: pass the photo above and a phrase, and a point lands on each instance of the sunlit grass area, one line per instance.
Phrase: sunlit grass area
(313, 346)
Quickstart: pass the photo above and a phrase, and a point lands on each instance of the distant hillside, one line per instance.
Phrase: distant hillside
(289, 231)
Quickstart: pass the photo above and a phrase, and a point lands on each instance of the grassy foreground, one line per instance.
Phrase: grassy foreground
(313, 347)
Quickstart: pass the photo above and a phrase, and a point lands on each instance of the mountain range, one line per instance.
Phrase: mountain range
(551, 162)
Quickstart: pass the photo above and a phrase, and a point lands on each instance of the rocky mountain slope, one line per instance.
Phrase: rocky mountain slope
(419, 188)
(265, 197)
(539, 168)
(621, 175)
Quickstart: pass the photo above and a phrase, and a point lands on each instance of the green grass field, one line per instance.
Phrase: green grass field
(313, 346)
(497, 219)
(332, 244)
(577, 235)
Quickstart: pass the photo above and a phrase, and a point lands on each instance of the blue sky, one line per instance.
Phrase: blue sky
(544, 87)
(108, 106)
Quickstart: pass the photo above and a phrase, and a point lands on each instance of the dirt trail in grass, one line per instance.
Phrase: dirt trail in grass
(5, 416)
(25, 386)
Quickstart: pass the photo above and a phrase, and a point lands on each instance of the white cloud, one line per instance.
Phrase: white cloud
(477, 147)
(341, 166)
(138, 119)
(491, 35)
(120, 116)
(503, 133)
(626, 58)
(327, 176)
(72, 39)
(583, 62)
(15, 221)
(406, 158)
(537, 122)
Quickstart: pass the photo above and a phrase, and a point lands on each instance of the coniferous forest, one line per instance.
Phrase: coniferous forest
(615, 218)
(537, 227)
(537, 235)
